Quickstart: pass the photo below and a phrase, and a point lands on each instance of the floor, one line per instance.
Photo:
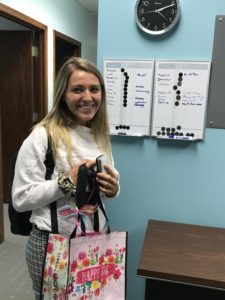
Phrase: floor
(14, 278)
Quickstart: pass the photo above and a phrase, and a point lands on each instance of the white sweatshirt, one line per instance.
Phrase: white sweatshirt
(31, 191)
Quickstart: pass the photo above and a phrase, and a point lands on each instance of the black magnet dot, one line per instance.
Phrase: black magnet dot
(178, 92)
(128, 127)
(180, 74)
(158, 132)
(121, 127)
(175, 87)
(178, 97)
(180, 78)
(178, 127)
(122, 70)
(173, 129)
(125, 73)
(163, 128)
(179, 83)
(167, 129)
(177, 103)
(117, 127)
(163, 133)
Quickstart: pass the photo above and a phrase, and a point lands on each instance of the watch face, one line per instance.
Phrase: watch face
(157, 16)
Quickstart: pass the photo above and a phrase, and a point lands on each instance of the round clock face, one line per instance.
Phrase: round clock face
(156, 17)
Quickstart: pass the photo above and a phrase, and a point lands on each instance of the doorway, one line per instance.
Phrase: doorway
(64, 47)
(23, 94)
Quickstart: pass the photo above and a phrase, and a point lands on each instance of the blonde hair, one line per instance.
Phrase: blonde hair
(59, 119)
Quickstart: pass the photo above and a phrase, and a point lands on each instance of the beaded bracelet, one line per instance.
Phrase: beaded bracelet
(66, 184)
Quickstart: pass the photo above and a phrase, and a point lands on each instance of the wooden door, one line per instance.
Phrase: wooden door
(16, 96)
(1, 196)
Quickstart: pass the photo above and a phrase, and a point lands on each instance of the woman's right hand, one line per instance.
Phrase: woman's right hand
(74, 171)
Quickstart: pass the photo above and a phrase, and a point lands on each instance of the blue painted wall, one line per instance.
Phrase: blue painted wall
(166, 180)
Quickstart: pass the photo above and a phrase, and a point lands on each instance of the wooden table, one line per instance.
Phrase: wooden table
(183, 261)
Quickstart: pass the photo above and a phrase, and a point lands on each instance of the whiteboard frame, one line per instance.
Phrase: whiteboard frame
(142, 131)
(206, 87)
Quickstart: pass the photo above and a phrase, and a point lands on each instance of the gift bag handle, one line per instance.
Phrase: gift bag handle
(81, 187)
(82, 181)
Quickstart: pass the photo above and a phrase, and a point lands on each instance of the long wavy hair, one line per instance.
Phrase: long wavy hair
(59, 118)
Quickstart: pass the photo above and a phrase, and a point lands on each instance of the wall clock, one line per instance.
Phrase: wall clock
(157, 17)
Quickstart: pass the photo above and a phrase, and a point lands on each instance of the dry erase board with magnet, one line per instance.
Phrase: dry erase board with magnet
(129, 90)
(180, 99)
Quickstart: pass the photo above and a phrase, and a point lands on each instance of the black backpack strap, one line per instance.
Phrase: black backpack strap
(50, 164)
(54, 220)
(49, 161)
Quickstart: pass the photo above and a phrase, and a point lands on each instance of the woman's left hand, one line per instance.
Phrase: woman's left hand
(108, 182)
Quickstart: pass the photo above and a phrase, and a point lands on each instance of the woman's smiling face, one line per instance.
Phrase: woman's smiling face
(83, 96)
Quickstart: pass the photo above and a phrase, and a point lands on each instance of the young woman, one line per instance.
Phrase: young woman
(78, 129)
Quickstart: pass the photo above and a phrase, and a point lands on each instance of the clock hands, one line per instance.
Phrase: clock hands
(158, 10)
(148, 12)
(162, 8)
(162, 15)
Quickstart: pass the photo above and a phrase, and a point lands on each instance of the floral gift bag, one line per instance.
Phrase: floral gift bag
(85, 267)
(55, 272)
(98, 267)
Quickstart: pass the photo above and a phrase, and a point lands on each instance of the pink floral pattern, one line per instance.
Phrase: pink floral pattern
(96, 267)
(56, 266)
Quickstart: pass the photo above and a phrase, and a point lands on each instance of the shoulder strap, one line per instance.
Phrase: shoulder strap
(49, 161)
(50, 164)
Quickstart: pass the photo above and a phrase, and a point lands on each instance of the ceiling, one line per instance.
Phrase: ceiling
(90, 5)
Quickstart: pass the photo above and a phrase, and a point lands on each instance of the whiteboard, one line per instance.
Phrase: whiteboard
(180, 99)
(129, 90)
